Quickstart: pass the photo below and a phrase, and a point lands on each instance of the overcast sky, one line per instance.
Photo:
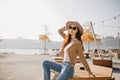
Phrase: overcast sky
(26, 18)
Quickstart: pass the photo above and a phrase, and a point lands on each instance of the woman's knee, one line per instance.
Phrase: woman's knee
(46, 62)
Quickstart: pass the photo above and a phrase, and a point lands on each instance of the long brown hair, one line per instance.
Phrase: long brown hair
(68, 38)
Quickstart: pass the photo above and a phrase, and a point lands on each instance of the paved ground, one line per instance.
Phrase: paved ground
(22, 67)
(29, 67)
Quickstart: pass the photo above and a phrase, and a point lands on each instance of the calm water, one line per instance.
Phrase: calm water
(22, 51)
(28, 51)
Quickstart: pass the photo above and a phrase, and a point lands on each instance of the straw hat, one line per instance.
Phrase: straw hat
(68, 23)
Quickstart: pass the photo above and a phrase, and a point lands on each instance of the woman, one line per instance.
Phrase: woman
(71, 48)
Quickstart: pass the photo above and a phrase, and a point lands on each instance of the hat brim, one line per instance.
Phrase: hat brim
(74, 23)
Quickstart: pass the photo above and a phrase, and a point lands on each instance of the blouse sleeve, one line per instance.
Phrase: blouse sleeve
(82, 58)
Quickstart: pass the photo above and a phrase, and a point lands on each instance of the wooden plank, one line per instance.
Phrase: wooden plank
(90, 78)
(98, 71)
(103, 62)
(60, 59)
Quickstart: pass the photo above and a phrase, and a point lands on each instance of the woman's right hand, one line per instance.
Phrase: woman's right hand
(61, 30)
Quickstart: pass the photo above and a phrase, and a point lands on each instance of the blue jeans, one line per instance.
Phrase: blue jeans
(65, 70)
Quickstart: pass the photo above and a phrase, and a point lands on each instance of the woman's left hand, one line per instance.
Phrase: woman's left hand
(91, 74)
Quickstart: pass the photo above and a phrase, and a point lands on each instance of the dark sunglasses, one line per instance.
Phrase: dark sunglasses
(73, 28)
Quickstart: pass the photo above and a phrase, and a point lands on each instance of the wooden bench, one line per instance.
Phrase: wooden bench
(100, 72)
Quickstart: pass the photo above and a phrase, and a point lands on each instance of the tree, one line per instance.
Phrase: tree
(87, 37)
(44, 38)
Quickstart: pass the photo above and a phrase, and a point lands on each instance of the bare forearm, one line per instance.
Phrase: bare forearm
(61, 30)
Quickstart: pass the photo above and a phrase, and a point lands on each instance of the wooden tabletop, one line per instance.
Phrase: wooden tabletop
(98, 71)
